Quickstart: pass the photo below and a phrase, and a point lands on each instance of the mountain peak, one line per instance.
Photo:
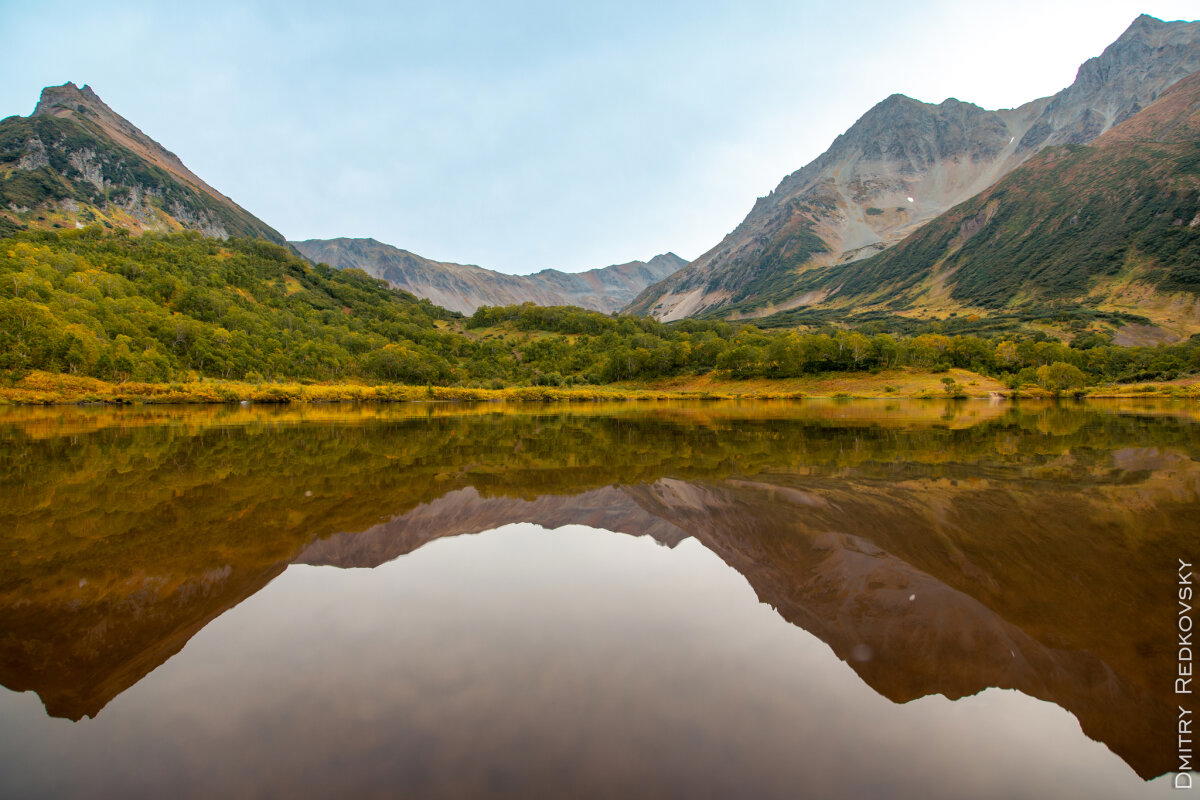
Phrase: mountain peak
(1017, 244)
(104, 170)
(1145, 26)
(667, 257)
(466, 287)
(85, 106)
(895, 99)
(1143, 22)
(1139, 43)
(69, 99)
(906, 161)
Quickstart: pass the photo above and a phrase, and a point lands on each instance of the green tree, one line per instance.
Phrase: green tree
(1060, 376)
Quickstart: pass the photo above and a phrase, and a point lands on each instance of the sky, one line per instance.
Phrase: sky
(526, 135)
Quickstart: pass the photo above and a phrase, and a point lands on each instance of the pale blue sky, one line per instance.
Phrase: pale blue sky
(523, 135)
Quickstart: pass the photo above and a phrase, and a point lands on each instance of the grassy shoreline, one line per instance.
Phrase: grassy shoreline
(44, 388)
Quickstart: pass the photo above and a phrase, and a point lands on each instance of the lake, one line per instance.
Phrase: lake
(729, 599)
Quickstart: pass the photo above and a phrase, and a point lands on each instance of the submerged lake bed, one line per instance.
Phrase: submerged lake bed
(670, 599)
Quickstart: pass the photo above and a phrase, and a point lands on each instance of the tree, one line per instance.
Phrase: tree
(953, 388)
(1060, 376)
(1007, 356)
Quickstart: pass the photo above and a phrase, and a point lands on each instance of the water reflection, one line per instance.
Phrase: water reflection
(936, 549)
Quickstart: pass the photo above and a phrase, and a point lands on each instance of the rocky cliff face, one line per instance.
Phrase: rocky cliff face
(464, 287)
(904, 163)
(75, 162)
(1113, 225)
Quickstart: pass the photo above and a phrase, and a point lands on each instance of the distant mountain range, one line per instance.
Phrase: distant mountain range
(76, 162)
(918, 210)
(905, 163)
(464, 287)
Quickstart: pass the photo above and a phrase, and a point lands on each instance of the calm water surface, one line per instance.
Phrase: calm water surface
(892, 600)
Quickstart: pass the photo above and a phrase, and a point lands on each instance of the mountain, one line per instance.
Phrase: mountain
(1113, 225)
(464, 287)
(74, 162)
(156, 307)
(904, 163)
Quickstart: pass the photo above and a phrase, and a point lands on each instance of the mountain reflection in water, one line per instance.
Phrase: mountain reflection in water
(936, 549)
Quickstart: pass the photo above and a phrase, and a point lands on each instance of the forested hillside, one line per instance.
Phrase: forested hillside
(159, 308)
(162, 308)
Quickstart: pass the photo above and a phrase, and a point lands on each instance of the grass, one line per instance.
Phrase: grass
(1181, 388)
(897, 383)
(47, 388)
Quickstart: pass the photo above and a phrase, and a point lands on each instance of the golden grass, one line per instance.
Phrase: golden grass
(1182, 388)
(46, 388)
(885, 384)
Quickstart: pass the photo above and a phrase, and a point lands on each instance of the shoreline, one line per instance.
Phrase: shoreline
(42, 388)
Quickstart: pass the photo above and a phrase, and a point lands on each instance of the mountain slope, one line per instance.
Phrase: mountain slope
(159, 307)
(463, 287)
(75, 161)
(1114, 224)
(904, 163)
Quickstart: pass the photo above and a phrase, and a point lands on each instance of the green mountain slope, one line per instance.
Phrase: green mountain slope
(1114, 225)
(169, 308)
(75, 162)
(903, 164)
(162, 308)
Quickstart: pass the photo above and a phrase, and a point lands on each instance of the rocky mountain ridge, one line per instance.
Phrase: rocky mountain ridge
(465, 287)
(904, 163)
(1113, 226)
(74, 162)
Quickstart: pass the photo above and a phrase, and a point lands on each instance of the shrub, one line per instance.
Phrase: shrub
(1060, 376)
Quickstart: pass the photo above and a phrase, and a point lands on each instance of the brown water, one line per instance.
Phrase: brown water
(910, 600)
